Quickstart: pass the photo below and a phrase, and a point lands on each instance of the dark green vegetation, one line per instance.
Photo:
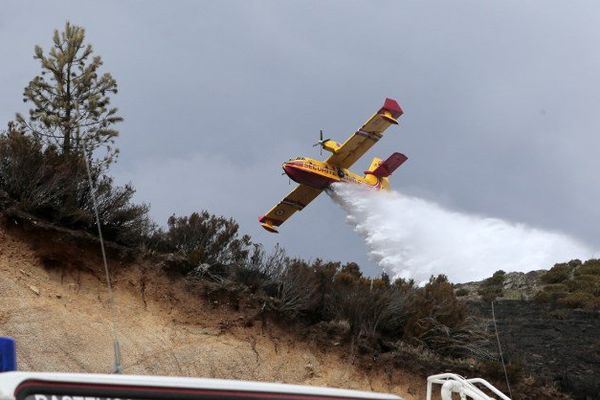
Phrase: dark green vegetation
(491, 288)
(574, 284)
(394, 323)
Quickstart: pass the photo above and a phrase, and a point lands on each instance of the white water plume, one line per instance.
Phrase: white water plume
(414, 238)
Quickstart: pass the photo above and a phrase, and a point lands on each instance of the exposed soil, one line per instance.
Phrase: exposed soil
(54, 301)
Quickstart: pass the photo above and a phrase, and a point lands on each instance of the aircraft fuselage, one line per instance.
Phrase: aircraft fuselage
(320, 175)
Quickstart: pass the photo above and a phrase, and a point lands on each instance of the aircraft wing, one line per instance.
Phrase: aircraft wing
(295, 201)
(362, 140)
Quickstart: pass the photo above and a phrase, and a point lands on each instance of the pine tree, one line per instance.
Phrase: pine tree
(71, 101)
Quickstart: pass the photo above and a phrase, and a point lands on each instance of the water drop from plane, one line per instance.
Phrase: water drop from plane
(414, 238)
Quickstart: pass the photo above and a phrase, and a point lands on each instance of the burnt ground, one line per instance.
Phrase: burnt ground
(557, 344)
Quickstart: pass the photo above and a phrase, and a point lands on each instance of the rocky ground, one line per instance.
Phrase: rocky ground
(516, 286)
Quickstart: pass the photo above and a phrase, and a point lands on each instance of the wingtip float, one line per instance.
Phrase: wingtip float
(265, 223)
(314, 176)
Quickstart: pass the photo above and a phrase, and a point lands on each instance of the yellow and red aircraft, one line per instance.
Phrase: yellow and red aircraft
(314, 176)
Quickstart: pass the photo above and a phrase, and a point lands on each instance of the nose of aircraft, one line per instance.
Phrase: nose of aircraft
(288, 167)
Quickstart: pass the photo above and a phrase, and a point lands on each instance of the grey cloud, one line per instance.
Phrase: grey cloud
(500, 98)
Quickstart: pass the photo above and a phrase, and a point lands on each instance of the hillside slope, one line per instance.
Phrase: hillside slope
(550, 340)
(59, 314)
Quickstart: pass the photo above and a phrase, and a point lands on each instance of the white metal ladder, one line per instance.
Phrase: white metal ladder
(453, 383)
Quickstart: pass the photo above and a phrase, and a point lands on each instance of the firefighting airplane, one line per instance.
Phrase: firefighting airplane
(314, 176)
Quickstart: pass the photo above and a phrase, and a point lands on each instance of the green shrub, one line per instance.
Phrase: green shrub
(556, 288)
(578, 300)
(590, 267)
(542, 297)
(492, 287)
(557, 274)
(574, 284)
(584, 283)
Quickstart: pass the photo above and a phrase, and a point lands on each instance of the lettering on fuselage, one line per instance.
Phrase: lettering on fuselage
(318, 168)
(351, 179)
(67, 397)
(348, 177)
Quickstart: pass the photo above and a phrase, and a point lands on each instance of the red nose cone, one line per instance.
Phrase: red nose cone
(288, 169)
(296, 173)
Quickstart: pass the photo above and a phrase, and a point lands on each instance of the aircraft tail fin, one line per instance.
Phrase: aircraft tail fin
(374, 164)
(384, 169)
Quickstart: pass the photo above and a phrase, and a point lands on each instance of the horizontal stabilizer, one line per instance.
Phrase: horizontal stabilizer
(386, 168)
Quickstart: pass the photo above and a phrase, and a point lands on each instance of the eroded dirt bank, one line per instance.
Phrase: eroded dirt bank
(60, 317)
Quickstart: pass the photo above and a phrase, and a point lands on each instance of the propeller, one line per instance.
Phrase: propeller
(289, 180)
(321, 142)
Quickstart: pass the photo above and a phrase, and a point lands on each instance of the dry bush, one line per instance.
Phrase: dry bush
(372, 307)
(296, 287)
(202, 238)
(430, 317)
(32, 177)
(272, 265)
(436, 319)
(330, 333)
(376, 311)
(364, 308)
(41, 181)
(435, 301)
(423, 361)
(292, 285)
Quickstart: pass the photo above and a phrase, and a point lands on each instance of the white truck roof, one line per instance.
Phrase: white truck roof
(169, 386)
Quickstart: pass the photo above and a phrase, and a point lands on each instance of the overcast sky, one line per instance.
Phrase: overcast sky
(501, 100)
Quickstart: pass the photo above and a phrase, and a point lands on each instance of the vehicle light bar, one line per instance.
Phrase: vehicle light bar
(8, 354)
